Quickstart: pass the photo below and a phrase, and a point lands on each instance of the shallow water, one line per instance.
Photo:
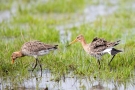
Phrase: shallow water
(69, 83)
(4, 15)
(90, 14)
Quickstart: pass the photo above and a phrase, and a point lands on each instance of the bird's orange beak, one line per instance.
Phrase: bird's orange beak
(73, 42)
(13, 61)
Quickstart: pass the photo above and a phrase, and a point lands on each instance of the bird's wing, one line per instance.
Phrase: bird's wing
(36, 46)
(97, 42)
(98, 49)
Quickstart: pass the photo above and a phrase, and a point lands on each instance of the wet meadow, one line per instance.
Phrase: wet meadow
(59, 22)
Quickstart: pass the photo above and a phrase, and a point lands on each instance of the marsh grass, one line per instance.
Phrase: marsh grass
(4, 5)
(52, 6)
(26, 26)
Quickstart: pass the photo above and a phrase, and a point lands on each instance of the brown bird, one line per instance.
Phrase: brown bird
(35, 49)
(98, 47)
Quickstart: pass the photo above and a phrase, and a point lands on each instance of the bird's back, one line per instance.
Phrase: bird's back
(36, 48)
(99, 44)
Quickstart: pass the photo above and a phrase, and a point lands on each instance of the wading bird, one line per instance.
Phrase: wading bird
(35, 49)
(98, 47)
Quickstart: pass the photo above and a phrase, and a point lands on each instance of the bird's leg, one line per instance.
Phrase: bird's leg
(40, 67)
(99, 63)
(111, 60)
(35, 65)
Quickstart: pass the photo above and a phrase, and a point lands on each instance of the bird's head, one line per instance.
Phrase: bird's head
(16, 55)
(79, 38)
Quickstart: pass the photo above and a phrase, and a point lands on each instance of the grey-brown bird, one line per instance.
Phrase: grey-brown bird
(35, 49)
(98, 47)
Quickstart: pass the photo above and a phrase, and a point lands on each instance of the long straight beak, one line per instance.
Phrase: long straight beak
(73, 42)
(13, 61)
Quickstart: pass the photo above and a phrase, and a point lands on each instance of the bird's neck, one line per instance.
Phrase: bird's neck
(84, 44)
(19, 53)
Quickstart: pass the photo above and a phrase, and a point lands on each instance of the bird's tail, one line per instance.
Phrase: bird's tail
(55, 47)
(116, 43)
(115, 51)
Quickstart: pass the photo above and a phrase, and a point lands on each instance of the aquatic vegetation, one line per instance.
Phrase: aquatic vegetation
(40, 22)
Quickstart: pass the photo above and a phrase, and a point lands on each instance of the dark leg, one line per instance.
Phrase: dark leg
(40, 67)
(111, 60)
(35, 65)
(99, 63)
